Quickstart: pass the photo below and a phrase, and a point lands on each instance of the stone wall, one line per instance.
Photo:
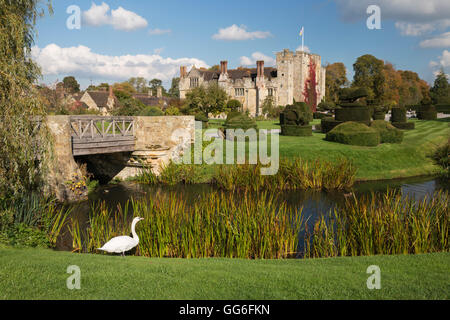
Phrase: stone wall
(158, 140)
(63, 168)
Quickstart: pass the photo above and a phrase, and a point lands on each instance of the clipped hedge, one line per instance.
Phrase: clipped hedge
(296, 131)
(404, 125)
(320, 115)
(329, 124)
(398, 115)
(443, 108)
(379, 115)
(357, 114)
(356, 134)
(427, 113)
(240, 121)
(388, 133)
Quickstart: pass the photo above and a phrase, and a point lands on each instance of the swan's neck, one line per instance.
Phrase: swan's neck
(133, 231)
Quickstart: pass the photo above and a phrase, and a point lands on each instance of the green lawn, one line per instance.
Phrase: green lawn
(41, 274)
(387, 161)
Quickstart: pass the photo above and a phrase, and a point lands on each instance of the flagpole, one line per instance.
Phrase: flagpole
(303, 40)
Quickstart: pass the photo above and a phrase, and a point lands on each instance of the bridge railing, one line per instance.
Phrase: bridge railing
(88, 127)
(98, 135)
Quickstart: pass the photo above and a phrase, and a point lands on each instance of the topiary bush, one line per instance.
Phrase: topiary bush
(404, 125)
(240, 121)
(329, 124)
(297, 115)
(398, 115)
(356, 114)
(201, 117)
(388, 133)
(354, 133)
(296, 131)
(427, 112)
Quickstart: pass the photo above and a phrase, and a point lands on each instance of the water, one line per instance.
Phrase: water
(314, 203)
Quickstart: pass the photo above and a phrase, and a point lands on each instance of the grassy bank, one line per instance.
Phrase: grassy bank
(41, 274)
(386, 161)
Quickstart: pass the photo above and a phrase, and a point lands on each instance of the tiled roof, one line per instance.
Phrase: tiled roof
(100, 98)
(240, 73)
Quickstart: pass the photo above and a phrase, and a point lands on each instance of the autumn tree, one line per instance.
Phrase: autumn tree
(336, 78)
(211, 99)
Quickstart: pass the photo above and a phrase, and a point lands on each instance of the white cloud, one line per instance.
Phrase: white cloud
(413, 11)
(414, 29)
(82, 62)
(236, 33)
(441, 41)
(305, 49)
(257, 56)
(157, 32)
(442, 63)
(120, 19)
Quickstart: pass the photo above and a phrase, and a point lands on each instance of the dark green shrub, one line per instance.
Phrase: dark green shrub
(296, 131)
(352, 94)
(329, 124)
(398, 115)
(233, 114)
(357, 114)
(354, 133)
(234, 105)
(151, 112)
(297, 114)
(427, 112)
(320, 115)
(388, 133)
(201, 117)
(441, 157)
(326, 106)
(404, 125)
(379, 116)
(240, 121)
(443, 108)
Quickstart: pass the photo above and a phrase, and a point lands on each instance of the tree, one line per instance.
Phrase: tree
(369, 74)
(139, 84)
(215, 67)
(155, 84)
(71, 84)
(24, 152)
(440, 92)
(211, 99)
(174, 90)
(125, 87)
(336, 78)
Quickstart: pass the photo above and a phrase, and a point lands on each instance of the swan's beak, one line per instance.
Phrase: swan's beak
(141, 219)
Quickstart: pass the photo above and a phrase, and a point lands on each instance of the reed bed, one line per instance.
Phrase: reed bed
(382, 225)
(296, 174)
(217, 225)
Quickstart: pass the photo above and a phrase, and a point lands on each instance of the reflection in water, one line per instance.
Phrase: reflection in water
(313, 203)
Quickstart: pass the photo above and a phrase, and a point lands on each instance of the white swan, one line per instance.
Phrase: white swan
(124, 243)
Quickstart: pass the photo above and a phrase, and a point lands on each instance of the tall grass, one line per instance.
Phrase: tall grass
(296, 174)
(217, 225)
(34, 211)
(390, 224)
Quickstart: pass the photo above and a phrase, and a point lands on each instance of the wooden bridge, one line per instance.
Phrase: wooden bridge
(101, 135)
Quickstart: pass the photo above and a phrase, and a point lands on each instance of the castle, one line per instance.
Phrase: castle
(298, 76)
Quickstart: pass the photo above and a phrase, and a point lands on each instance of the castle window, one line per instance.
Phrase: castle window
(239, 92)
(194, 82)
(270, 92)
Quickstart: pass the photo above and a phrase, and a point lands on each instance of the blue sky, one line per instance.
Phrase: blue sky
(123, 38)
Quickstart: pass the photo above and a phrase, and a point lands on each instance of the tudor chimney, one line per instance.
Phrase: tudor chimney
(159, 92)
(182, 71)
(111, 94)
(260, 69)
(223, 67)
